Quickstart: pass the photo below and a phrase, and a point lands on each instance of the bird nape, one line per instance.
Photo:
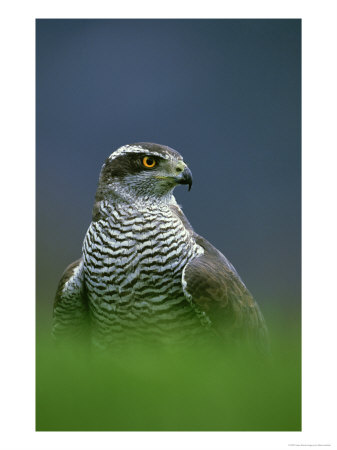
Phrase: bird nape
(144, 273)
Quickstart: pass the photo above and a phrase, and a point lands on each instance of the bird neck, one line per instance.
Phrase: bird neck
(126, 201)
(123, 194)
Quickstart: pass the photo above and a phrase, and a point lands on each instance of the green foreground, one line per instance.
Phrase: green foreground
(168, 389)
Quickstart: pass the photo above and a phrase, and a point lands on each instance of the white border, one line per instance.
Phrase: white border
(17, 224)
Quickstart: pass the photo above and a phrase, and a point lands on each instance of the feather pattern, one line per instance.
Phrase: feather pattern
(134, 256)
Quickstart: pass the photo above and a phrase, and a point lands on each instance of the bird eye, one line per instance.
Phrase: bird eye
(149, 162)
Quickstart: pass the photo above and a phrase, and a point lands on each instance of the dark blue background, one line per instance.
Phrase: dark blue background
(225, 93)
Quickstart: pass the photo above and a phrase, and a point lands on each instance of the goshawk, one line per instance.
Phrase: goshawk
(144, 272)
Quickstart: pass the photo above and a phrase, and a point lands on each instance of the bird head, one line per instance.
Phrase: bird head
(143, 171)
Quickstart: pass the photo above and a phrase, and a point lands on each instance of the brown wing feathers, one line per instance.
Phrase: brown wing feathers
(70, 315)
(215, 286)
(218, 290)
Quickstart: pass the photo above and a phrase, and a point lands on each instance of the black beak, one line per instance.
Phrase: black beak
(185, 178)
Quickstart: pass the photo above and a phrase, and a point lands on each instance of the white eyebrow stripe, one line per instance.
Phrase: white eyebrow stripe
(136, 149)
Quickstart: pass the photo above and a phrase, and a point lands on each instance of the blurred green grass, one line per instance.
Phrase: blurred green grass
(169, 389)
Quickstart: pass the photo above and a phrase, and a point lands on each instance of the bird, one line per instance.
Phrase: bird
(144, 272)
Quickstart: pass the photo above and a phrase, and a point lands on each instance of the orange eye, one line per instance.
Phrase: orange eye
(148, 161)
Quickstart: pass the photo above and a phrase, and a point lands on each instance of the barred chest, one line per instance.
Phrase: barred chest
(133, 262)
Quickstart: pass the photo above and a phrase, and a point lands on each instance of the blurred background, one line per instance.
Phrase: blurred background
(225, 93)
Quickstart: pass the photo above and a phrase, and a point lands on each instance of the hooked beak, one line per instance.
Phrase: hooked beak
(185, 177)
